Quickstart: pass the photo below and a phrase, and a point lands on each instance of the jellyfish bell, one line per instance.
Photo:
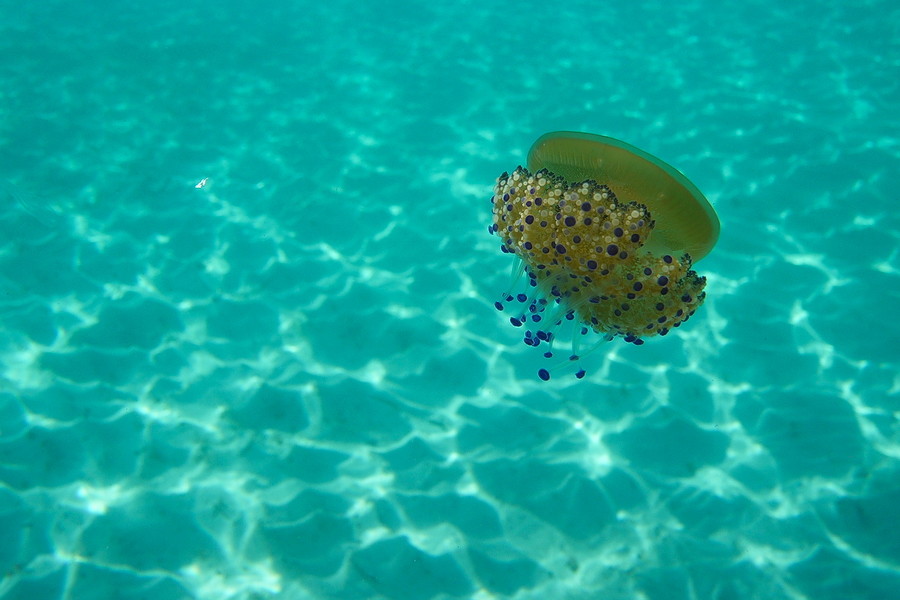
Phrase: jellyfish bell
(607, 235)
(685, 220)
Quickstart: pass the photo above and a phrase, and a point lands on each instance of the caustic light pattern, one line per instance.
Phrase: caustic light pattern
(618, 267)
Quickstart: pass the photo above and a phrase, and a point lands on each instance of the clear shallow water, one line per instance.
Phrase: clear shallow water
(292, 383)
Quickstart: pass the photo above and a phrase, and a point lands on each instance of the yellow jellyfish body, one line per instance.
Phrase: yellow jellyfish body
(607, 235)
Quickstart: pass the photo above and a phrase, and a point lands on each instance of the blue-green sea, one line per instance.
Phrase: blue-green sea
(248, 342)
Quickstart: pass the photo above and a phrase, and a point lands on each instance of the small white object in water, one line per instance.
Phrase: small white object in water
(202, 183)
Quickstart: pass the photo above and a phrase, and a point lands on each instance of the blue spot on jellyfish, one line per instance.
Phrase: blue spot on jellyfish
(606, 235)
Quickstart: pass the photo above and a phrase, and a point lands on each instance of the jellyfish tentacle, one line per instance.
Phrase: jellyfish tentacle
(593, 263)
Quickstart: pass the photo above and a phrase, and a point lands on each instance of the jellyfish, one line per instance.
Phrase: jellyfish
(606, 236)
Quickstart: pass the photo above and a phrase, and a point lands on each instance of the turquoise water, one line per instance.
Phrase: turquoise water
(292, 383)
